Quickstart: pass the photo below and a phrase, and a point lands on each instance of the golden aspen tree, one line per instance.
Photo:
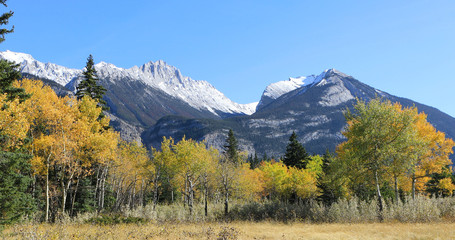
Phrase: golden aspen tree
(375, 130)
(251, 185)
(97, 145)
(67, 136)
(432, 157)
(41, 109)
(227, 175)
(446, 185)
(190, 157)
(304, 183)
(13, 124)
(276, 178)
(130, 174)
(208, 173)
(162, 162)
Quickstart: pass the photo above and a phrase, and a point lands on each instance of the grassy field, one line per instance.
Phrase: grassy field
(236, 230)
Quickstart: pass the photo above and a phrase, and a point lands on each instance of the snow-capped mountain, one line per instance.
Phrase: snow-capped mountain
(314, 111)
(158, 75)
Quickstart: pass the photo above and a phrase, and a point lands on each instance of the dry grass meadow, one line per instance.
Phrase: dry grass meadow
(233, 230)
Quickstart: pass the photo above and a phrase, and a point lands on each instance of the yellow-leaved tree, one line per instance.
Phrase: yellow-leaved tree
(432, 156)
(130, 174)
(68, 138)
(276, 177)
(193, 160)
(378, 133)
(281, 182)
(13, 123)
(162, 163)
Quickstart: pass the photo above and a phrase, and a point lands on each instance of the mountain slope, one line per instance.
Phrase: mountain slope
(314, 111)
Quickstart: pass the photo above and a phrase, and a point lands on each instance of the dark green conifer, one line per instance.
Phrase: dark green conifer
(231, 148)
(89, 86)
(254, 161)
(4, 19)
(8, 74)
(296, 155)
(15, 169)
(15, 199)
(9, 71)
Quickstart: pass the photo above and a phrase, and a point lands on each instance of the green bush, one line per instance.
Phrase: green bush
(353, 210)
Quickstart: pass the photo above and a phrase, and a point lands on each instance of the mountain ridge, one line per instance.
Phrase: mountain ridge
(159, 75)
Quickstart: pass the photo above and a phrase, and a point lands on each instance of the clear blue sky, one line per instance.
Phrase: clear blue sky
(406, 48)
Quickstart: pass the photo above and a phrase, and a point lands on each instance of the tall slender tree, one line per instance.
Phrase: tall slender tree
(89, 86)
(8, 70)
(296, 155)
(15, 199)
(231, 148)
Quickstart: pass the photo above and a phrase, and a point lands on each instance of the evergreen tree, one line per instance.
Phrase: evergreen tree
(330, 183)
(296, 155)
(4, 19)
(8, 70)
(89, 86)
(8, 74)
(254, 161)
(15, 199)
(231, 148)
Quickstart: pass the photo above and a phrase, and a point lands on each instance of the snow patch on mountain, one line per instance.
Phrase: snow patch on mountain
(276, 90)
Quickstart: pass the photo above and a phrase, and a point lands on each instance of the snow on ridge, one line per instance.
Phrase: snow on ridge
(197, 93)
(16, 57)
(61, 75)
(277, 89)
